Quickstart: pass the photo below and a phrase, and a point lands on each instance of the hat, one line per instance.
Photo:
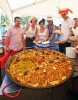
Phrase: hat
(4, 24)
(49, 18)
(64, 10)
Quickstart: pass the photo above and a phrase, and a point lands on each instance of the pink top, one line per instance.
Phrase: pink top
(15, 36)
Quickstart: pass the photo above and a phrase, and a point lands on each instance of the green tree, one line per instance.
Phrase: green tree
(5, 19)
(25, 20)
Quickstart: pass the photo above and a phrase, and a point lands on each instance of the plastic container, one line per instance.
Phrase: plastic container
(70, 52)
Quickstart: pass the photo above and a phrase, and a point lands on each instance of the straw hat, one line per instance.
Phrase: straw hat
(4, 24)
(49, 18)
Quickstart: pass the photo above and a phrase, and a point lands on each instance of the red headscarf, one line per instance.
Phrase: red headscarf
(30, 21)
(64, 10)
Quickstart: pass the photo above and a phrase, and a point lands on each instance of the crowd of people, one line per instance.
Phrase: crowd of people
(42, 33)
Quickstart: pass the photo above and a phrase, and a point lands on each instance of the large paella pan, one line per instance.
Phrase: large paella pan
(39, 68)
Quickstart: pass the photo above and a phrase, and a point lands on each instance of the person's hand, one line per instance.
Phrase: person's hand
(28, 36)
(36, 40)
(62, 42)
(24, 47)
(76, 50)
(7, 49)
(49, 39)
(41, 41)
(77, 38)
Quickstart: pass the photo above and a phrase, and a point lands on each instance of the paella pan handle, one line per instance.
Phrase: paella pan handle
(8, 95)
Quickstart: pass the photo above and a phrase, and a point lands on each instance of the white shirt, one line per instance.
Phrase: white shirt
(65, 28)
(75, 31)
(31, 32)
(42, 36)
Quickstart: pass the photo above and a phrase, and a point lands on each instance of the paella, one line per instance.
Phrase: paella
(40, 68)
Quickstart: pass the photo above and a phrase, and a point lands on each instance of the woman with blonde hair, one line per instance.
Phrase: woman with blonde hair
(31, 32)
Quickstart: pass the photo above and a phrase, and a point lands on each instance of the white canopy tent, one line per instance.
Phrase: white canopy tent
(38, 7)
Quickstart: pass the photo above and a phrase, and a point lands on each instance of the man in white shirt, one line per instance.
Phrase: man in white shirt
(66, 29)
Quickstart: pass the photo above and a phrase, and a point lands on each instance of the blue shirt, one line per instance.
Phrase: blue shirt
(50, 27)
(3, 30)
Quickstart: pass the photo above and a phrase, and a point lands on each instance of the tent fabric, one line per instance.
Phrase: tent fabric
(38, 7)
(5, 6)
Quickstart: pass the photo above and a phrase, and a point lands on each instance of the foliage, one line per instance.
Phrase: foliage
(4, 19)
(24, 20)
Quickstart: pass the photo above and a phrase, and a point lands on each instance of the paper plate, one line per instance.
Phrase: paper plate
(72, 38)
(58, 42)
(58, 32)
(37, 42)
(46, 42)
(34, 41)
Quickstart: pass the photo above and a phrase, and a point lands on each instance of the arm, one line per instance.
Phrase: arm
(71, 33)
(8, 39)
(77, 38)
(26, 29)
(53, 33)
(76, 51)
(47, 34)
(3, 32)
(7, 44)
(23, 41)
(36, 35)
(71, 24)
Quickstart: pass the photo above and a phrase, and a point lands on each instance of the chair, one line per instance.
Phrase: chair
(4, 59)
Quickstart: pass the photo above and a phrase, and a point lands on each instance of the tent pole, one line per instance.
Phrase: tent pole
(12, 16)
